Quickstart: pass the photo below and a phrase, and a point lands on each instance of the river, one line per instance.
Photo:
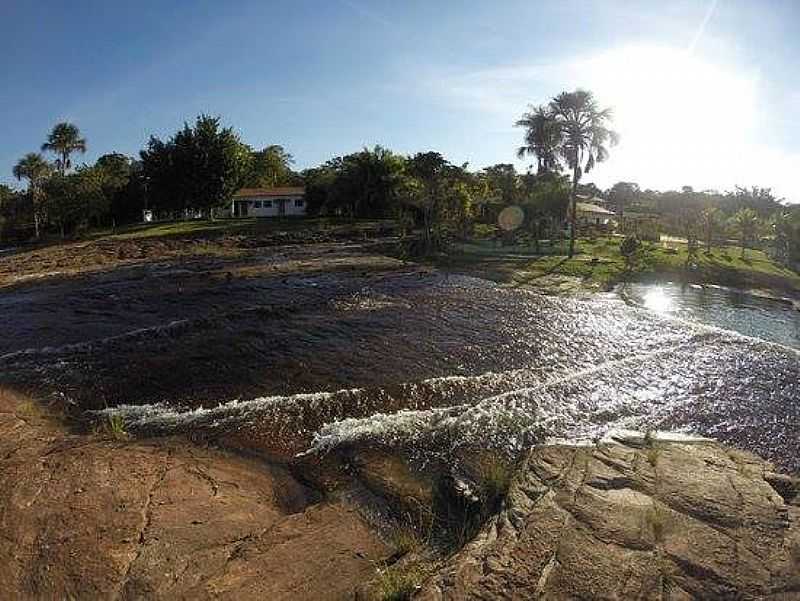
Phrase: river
(775, 320)
(392, 353)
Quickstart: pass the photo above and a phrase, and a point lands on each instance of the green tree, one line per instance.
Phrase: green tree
(64, 139)
(123, 187)
(746, 223)
(546, 198)
(583, 141)
(783, 231)
(503, 183)
(34, 168)
(629, 249)
(623, 194)
(65, 203)
(710, 222)
(271, 167)
(200, 167)
(430, 169)
(542, 138)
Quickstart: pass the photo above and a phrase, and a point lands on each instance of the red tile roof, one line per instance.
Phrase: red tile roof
(269, 192)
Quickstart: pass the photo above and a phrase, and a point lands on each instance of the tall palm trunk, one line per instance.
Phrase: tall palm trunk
(573, 211)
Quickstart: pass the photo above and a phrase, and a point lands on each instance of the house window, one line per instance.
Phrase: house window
(299, 203)
(267, 204)
(257, 204)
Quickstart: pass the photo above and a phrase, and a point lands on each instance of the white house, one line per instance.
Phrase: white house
(592, 214)
(269, 202)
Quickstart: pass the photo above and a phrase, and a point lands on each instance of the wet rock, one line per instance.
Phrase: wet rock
(626, 520)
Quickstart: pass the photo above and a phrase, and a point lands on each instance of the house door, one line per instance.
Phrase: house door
(281, 208)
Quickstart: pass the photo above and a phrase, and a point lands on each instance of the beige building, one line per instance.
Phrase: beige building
(269, 202)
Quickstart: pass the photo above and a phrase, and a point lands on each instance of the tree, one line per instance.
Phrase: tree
(65, 204)
(36, 170)
(503, 183)
(746, 223)
(783, 230)
(623, 194)
(270, 167)
(709, 220)
(628, 249)
(123, 187)
(63, 141)
(542, 138)
(546, 198)
(429, 169)
(200, 167)
(583, 139)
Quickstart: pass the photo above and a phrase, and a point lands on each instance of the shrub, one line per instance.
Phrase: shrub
(629, 249)
(399, 583)
(116, 428)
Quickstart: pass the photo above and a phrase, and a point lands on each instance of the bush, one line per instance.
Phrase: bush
(628, 249)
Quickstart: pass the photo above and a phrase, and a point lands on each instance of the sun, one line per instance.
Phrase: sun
(676, 113)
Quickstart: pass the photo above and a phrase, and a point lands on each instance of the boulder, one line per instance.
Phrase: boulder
(634, 518)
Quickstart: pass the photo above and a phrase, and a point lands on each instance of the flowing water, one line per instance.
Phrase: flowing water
(284, 363)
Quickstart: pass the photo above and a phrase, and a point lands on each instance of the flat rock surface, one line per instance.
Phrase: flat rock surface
(635, 519)
(89, 517)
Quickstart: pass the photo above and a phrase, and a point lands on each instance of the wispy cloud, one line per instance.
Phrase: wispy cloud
(367, 13)
(712, 7)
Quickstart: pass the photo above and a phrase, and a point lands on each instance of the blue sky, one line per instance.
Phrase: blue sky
(706, 93)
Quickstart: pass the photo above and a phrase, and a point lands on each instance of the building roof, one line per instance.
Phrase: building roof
(270, 192)
(594, 200)
(590, 208)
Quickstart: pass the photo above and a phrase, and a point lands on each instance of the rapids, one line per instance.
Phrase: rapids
(287, 363)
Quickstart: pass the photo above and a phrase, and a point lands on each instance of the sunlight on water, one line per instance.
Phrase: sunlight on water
(659, 301)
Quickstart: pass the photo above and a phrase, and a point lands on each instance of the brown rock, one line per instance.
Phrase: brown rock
(91, 518)
(667, 520)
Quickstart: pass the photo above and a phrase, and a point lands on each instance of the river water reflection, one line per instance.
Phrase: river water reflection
(283, 363)
(768, 319)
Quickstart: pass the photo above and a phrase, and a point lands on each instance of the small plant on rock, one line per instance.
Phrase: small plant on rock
(656, 518)
(398, 583)
(116, 428)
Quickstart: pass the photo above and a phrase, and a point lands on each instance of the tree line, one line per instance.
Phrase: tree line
(195, 170)
(199, 168)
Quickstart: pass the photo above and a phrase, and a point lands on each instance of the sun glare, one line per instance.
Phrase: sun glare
(675, 112)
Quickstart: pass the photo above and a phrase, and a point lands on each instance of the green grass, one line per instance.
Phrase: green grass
(116, 428)
(599, 264)
(399, 583)
(405, 539)
(202, 227)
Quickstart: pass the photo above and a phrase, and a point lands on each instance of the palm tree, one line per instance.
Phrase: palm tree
(583, 138)
(746, 223)
(541, 139)
(63, 141)
(36, 170)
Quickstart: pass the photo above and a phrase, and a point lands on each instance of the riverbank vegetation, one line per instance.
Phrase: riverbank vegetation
(599, 264)
(443, 210)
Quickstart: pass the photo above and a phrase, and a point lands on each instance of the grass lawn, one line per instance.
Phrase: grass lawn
(598, 264)
(247, 226)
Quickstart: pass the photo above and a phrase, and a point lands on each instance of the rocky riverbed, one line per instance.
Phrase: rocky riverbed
(253, 418)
